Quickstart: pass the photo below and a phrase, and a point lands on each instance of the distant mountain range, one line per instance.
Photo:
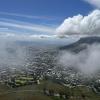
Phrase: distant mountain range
(81, 44)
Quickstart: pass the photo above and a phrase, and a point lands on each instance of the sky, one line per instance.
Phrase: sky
(38, 16)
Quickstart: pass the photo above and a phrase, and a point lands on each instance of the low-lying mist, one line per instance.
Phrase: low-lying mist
(11, 54)
(87, 61)
(15, 51)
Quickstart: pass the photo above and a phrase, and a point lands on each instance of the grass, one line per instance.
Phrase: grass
(35, 92)
(24, 96)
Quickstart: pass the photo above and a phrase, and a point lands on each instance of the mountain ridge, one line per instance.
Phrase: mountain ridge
(81, 44)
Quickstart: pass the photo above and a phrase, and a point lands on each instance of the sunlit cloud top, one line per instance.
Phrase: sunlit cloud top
(81, 25)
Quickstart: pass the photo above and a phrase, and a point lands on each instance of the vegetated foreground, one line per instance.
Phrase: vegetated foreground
(47, 90)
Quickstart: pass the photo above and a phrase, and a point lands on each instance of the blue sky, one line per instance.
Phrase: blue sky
(49, 8)
(28, 16)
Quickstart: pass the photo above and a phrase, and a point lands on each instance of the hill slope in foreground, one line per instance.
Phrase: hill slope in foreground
(58, 92)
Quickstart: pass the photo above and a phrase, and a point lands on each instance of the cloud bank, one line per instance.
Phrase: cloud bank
(81, 25)
(87, 61)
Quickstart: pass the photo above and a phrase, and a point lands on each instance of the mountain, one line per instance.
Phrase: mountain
(81, 44)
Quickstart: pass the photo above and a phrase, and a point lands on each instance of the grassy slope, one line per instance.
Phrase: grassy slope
(34, 92)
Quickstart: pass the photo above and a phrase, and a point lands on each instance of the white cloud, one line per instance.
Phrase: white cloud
(28, 16)
(81, 25)
(38, 28)
(29, 37)
(87, 61)
(15, 29)
(95, 3)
